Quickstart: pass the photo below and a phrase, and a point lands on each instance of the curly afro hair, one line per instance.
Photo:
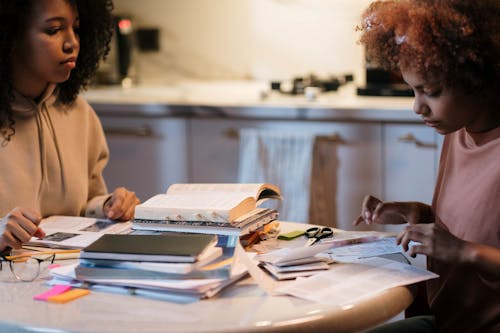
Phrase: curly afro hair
(456, 41)
(96, 30)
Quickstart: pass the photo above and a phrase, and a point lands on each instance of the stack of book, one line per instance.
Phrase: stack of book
(183, 241)
(224, 209)
(173, 265)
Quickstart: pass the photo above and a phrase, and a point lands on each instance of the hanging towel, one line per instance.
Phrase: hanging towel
(283, 158)
(324, 186)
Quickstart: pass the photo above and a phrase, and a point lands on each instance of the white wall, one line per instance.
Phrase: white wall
(254, 39)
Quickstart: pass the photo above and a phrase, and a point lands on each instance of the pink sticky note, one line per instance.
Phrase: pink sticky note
(55, 290)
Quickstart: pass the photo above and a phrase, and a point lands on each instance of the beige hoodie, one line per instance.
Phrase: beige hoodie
(54, 161)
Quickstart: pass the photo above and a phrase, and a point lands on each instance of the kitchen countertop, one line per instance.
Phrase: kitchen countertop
(245, 99)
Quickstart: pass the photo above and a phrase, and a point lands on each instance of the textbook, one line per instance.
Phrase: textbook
(156, 248)
(116, 269)
(243, 225)
(206, 202)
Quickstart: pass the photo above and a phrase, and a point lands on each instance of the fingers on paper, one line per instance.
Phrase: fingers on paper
(418, 233)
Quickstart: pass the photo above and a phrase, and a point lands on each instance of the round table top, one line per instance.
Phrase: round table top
(243, 307)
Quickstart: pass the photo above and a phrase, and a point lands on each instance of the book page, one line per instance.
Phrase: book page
(246, 190)
(215, 206)
(259, 191)
(214, 201)
(76, 231)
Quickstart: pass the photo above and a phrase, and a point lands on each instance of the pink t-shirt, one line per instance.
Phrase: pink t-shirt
(467, 203)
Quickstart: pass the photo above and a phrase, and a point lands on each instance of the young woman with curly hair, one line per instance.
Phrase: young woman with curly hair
(53, 147)
(448, 52)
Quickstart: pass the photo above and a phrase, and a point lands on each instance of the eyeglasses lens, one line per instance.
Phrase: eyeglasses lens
(28, 269)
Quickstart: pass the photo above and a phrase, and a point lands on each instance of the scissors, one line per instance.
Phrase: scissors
(314, 234)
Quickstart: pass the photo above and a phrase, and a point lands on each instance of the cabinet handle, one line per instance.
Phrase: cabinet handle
(410, 138)
(232, 133)
(140, 131)
(333, 138)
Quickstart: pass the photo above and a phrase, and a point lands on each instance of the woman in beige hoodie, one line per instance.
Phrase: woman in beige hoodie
(53, 149)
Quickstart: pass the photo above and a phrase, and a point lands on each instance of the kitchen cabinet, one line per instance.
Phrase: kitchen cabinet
(411, 157)
(146, 154)
(355, 148)
(393, 161)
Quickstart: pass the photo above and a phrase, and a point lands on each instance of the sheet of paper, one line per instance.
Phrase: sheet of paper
(285, 255)
(346, 283)
(189, 189)
(76, 231)
(363, 250)
(195, 201)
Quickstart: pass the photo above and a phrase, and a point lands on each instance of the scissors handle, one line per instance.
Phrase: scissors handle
(315, 234)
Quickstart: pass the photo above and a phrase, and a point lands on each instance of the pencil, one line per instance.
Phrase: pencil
(60, 254)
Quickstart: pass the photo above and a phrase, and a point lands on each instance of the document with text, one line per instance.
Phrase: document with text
(76, 231)
(347, 283)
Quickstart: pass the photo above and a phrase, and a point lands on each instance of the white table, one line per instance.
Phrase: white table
(243, 307)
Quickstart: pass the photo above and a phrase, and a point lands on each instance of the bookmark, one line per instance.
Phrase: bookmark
(54, 291)
(68, 296)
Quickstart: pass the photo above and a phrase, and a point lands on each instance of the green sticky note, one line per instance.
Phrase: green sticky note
(291, 235)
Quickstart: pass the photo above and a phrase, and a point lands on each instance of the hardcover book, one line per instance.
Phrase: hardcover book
(172, 247)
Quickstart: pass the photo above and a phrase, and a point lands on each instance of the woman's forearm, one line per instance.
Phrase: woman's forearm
(485, 258)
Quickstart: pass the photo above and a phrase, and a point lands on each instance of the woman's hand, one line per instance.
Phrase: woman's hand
(373, 210)
(18, 226)
(434, 241)
(121, 205)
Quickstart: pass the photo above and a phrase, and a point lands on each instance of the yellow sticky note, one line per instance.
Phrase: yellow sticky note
(68, 296)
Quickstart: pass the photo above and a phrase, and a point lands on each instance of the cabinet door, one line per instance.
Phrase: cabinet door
(411, 159)
(356, 151)
(146, 154)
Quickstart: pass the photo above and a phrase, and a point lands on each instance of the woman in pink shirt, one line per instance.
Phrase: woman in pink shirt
(448, 52)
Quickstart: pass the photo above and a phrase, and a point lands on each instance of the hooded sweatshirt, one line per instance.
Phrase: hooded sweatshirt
(53, 163)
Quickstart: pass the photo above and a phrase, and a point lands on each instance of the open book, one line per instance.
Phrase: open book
(206, 202)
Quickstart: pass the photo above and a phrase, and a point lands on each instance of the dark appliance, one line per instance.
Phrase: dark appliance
(119, 66)
(298, 85)
(380, 82)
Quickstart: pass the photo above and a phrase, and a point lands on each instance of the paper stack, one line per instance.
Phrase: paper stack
(173, 265)
(290, 263)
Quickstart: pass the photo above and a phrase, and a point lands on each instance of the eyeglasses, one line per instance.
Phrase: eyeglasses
(27, 267)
